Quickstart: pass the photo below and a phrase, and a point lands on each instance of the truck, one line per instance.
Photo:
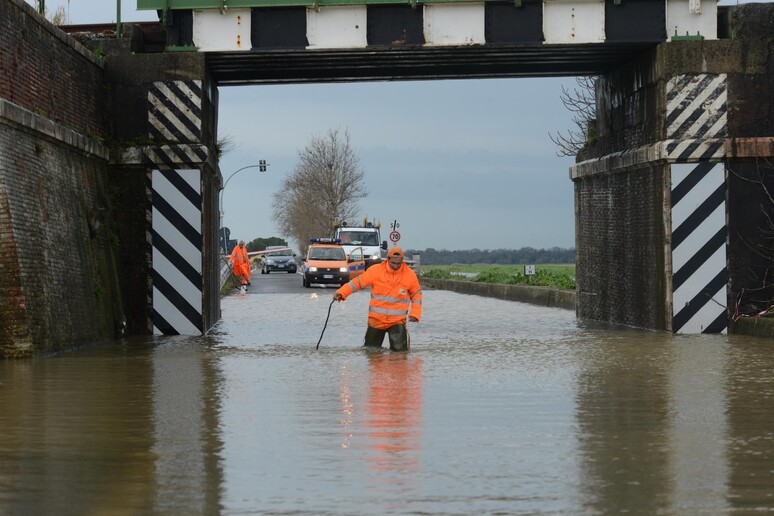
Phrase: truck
(367, 236)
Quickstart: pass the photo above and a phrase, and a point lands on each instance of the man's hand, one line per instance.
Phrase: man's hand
(413, 319)
(337, 296)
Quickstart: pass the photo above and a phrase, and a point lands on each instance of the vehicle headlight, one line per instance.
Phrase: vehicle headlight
(312, 269)
(375, 257)
(269, 262)
(343, 269)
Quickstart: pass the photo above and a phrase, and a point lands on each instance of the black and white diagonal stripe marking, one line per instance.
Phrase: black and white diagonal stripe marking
(699, 274)
(713, 149)
(177, 252)
(175, 112)
(176, 156)
(696, 112)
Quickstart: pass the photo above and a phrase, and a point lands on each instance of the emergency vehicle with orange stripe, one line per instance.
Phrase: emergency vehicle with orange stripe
(327, 262)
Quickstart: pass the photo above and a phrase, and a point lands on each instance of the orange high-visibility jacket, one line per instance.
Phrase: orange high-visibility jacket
(241, 262)
(394, 294)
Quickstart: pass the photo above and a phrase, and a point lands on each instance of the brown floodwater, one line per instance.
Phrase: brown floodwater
(499, 408)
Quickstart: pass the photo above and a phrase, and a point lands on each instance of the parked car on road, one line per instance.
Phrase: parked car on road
(280, 259)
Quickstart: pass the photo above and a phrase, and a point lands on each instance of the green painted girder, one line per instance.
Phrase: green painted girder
(166, 5)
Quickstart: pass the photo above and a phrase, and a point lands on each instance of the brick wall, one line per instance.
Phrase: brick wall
(628, 111)
(47, 72)
(58, 282)
(58, 274)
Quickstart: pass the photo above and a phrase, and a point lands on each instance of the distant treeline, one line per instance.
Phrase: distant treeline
(523, 256)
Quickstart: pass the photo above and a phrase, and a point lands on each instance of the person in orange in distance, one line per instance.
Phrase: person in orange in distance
(395, 294)
(241, 264)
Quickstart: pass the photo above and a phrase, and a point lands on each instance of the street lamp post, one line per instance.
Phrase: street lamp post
(262, 166)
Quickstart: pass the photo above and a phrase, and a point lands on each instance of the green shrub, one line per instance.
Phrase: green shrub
(440, 274)
(507, 276)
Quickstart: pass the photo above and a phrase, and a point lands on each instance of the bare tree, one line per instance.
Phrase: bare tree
(581, 101)
(324, 187)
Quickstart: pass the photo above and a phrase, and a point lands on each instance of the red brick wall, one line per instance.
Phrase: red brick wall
(58, 279)
(46, 71)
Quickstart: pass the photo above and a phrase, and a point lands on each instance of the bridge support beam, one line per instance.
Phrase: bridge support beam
(674, 204)
(168, 170)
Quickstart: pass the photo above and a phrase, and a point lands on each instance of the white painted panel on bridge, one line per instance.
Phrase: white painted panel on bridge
(454, 24)
(190, 253)
(228, 31)
(699, 237)
(183, 206)
(174, 276)
(172, 315)
(695, 270)
(708, 312)
(696, 283)
(681, 21)
(337, 27)
(574, 21)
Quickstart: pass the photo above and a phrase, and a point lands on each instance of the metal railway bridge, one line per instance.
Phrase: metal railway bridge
(292, 41)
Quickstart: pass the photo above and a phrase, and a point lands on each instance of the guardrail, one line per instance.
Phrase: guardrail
(225, 273)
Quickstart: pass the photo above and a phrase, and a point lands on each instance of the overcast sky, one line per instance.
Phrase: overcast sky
(459, 164)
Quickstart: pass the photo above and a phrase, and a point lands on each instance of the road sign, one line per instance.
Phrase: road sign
(394, 236)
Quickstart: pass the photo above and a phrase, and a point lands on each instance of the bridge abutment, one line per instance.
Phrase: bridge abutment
(673, 202)
(168, 171)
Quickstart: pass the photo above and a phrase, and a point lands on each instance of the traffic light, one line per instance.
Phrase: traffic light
(262, 165)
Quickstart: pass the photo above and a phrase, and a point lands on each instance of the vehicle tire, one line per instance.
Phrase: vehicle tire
(291, 272)
(306, 283)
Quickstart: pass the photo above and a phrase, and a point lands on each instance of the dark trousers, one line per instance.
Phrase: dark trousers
(399, 337)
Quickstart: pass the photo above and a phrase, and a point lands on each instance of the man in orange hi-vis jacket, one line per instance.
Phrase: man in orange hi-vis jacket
(395, 293)
(241, 263)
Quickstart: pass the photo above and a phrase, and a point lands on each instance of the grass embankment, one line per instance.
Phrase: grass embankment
(556, 276)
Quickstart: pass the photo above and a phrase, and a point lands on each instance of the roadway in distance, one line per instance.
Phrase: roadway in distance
(283, 283)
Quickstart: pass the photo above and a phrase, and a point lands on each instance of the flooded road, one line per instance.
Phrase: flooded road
(499, 408)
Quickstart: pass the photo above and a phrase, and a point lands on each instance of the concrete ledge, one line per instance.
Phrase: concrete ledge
(544, 296)
(618, 162)
(15, 115)
(755, 326)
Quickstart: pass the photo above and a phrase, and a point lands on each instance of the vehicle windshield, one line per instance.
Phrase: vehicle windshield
(327, 253)
(358, 237)
(278, 254)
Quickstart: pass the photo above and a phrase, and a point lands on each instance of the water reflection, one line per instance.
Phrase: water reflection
(393, 419)
(186, 434)
(70, 423)
(749, 376)
(623, 415)
(499, 408)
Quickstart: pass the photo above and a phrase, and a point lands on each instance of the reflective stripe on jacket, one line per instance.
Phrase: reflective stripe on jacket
(394, 294)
